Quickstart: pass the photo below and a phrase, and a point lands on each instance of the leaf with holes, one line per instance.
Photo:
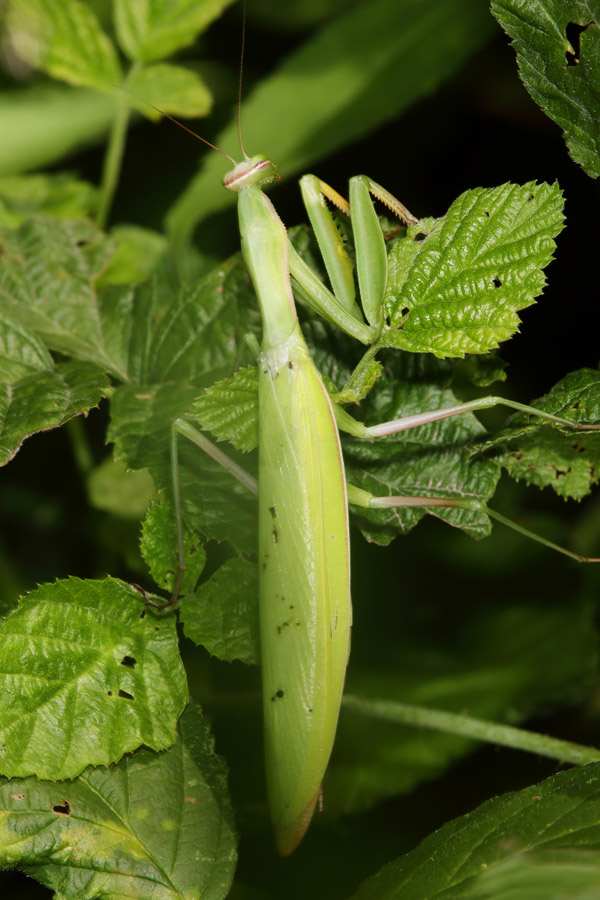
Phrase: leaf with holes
(547, 455)
(153, 827)
(88, 672)
(558, 53)
(456, 284)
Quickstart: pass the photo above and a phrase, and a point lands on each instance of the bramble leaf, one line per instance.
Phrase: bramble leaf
(46, 399)
(178, 91)
(229, 409)
(47, 282)
(429, 461)
(159, 549)
(149, 30)
(138, 252)
(541, 843)
(456, 284)
(557, 43)
(35, 394)
(115, 489)
(222, 614)
(64, 39)
(88, 672)
(547, 455)
(60, 195)
(154, 827)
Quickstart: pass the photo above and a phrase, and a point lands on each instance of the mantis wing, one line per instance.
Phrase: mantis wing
(304, 582)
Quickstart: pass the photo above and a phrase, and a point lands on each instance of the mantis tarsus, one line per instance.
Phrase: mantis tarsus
(303, 554)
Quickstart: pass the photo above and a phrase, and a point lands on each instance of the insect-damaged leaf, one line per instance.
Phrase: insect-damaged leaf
(154, 826)
(88, 672)
(456, 284)
(558, 53)
(548, 455)
(541, 842)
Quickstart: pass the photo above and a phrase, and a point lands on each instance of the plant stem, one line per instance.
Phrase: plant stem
(112, 162)
(479, 729)
(80, 446)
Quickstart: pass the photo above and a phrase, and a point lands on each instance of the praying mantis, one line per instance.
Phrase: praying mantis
(303, 534)
(303, 497)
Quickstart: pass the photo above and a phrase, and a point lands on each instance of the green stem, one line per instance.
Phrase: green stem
(80, 446)
(112, 162)
(479, 729)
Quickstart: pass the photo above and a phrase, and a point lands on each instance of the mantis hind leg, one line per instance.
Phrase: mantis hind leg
(366, 500)
(182, 427)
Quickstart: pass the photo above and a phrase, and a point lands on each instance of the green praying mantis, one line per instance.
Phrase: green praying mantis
(303, 497)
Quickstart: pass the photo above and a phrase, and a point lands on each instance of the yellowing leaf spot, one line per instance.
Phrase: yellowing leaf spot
(168, 825)
(142, 814)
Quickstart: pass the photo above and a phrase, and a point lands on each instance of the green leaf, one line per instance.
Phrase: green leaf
(194, 334)
(547, 455)
(558, 53)
(222, 614)
(362, 86)
(36, 395)
(138, 253)
(540, 843)
(178, 347)
(430, 461)
(159, 549)
(490, 662)
(173, 89)
(485, 370)
(152, 29)
(41, 124)
(114, 489)
(153, 827)
(456, 284)
(64, 39)
(47, 282)
(87, 673)
(213, 502)
(229, 409)
(61, 195)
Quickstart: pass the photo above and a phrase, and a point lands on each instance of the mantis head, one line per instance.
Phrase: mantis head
(257, 171)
